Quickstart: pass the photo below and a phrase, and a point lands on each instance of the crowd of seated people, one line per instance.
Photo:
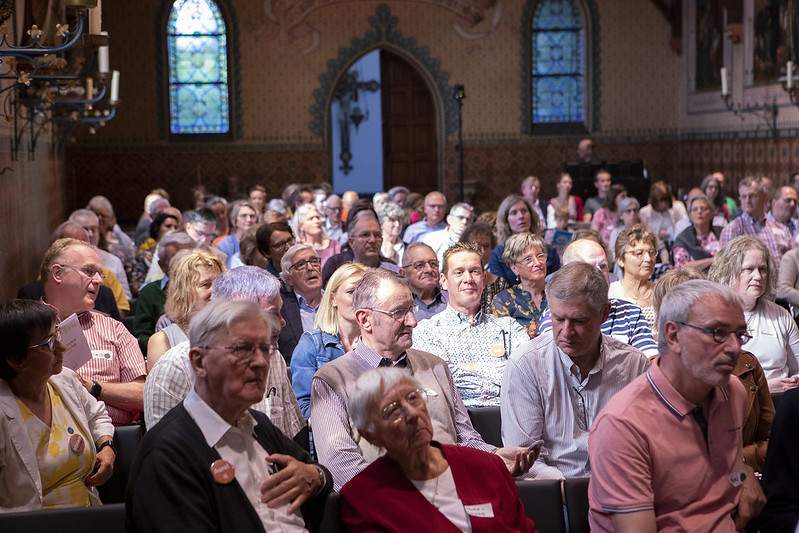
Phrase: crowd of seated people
(254, 327)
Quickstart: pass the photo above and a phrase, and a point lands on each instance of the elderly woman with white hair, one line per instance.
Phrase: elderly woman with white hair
(309, 227)
(746, 265)
(420, 481)
(392, 222)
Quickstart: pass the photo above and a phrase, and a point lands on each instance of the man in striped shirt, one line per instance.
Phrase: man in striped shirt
(72, 275)
(626, 321)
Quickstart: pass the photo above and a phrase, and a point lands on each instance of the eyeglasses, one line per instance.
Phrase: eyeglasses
(283, 244)
(366, 235)
(419, 265)
(436, 206)
(528, 260)
(244, 352)
(399, 314)
(639, 254)
(462, 218)
(393, 412)
(50, 342)
(90, 272)
(247, 216)
(202, 234)
(721, 335)
(314, 262)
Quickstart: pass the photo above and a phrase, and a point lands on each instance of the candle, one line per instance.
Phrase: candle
(89, 88)
(114, 87)
(725, 89)
(789, 74)
(102, 57)
(96, 19)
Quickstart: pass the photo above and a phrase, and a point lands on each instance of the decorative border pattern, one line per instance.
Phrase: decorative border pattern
(234, 71)
(384, 34)
(592, 55)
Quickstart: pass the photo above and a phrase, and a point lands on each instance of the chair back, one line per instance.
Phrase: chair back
(75, 520)
(543, 503)
(126, 440)
(488, 423)
(576, 492)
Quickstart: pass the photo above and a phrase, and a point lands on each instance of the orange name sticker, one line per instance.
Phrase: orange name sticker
(222, 471)
(497, 350)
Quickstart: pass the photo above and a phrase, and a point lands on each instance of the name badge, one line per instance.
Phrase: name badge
(480, 510)
(102, 354)
(737, 478)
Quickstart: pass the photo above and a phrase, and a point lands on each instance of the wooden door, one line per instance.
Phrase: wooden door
(410, 150)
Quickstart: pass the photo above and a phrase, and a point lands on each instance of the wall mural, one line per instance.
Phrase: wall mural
(473, 19)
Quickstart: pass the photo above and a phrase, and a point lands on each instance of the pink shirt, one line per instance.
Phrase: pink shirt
(647, 452)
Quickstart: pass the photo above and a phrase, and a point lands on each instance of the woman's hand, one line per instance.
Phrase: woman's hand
(103, 467)
(780, 385)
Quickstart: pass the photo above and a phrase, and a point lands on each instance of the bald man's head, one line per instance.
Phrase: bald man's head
(587, 251)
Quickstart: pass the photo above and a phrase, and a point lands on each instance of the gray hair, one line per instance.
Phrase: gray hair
(752, 182)
(219, 314)
(579, 279)
(83, 213)
(204, 215)
(276, 204)
(463, 206)
(174, 237)
(393, 191)
(216, 200)
(246, 283)
(59, 232)
(288, 258)
(726, 266)
(100, 202)
(370, 388)
(365, 295)
(380, 196)
(391, 211)
(678, 302)
(300, 214)
(625, 204)
(704, 199)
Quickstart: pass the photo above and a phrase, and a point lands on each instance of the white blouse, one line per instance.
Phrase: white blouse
(775, 340)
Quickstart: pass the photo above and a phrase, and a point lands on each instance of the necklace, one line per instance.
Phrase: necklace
(435, 493)
(633, 294)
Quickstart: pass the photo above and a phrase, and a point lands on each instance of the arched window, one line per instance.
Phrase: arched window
(199, 101)
(559, 66)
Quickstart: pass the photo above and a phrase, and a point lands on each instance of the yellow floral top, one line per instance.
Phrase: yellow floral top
(62, 470)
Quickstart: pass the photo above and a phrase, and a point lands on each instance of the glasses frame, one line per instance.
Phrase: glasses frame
(394, 418)
(248, 359)
(743, 338)
(401, 313)
(419, 265)
(84, 270)
(302, 266)
(639, 254)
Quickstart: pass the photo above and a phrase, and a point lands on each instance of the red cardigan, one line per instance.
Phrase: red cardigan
(381, 498)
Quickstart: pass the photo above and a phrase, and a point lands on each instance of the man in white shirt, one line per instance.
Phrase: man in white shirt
(91, 223)
(221, 464)
(460, 216)
(555, 385)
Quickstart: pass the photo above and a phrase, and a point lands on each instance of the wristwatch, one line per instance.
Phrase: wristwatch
(110, 444)
(322, 476)
(96, 389)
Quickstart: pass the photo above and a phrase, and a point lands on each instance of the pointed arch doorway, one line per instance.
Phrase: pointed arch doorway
(397, 142)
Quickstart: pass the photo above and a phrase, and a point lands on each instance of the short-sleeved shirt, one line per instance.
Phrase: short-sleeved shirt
(116, 357)
(647, 452)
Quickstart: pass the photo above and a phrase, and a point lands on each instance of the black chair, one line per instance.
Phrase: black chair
(576, 491)
(128, 322)
(543, 503)
(126, 440)
(75, 520)
(331, 516)
(488, 423)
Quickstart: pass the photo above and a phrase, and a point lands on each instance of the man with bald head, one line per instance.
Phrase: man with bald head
(625, 321)
(72, 275)
(783, 209)
(333, 223)
(435, 207)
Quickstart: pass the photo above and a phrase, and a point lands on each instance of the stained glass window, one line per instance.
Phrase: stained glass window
(557, 63)
(198, 75)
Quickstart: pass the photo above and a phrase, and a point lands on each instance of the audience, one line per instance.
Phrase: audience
(711, 187)
(301, 272)
(435, 206)
(555, 386)
(565, 199)
(666, 451)
(698, 244)
(243, 216)
(482, 234)
(56, 439)
(421, 272)
(783, 209)
(460, 216)
(333, 225)
(474, 344)
(273, 240)
(531, 187)
(636, 255)
(392, 222)
(594, 204)
(400, 491)
(662, 212)
(309, 229)
(604, 219)
(745, 265)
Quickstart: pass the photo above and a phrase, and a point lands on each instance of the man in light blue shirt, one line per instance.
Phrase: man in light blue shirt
(435, 207)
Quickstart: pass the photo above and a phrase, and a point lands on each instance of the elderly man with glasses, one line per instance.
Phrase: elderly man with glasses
(555, 386)
(115, 372)
(215, 463)
(301, 272)
(383, 307)
(420, 269)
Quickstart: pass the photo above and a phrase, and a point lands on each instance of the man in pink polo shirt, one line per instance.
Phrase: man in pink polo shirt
(666, 450)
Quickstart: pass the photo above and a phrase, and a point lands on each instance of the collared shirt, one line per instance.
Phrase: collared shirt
(439, 303)
(415, 231)
(545, 398)
(237, 445)
(116, 357)
(626, 322)
(172, 378)
(307, 313)
(773, 234)
(336, 232)
(647, 452)
(475, 351)
(439, 241)
(330, 421)
(792, 224)
(708, 242)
